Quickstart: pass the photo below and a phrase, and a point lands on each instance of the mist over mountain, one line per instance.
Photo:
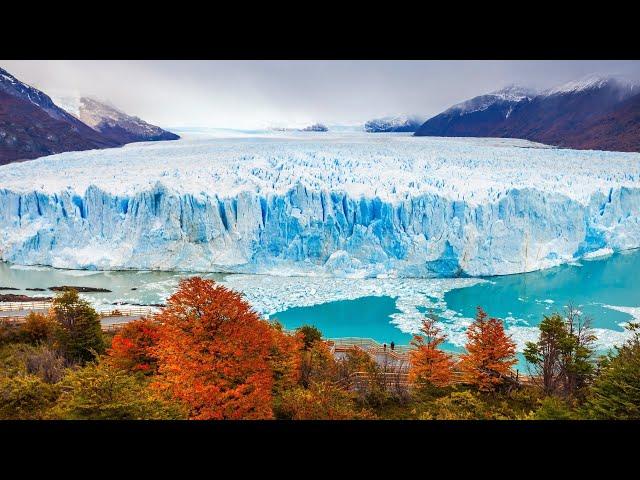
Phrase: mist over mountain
(397, 123)
(591, 113)
(117, 125)
(32, 125)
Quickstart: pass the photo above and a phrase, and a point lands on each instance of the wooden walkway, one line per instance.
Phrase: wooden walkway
(112, 317)
(395, 364)
(396, 359)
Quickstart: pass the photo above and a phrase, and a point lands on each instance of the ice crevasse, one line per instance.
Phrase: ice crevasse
(397, 206)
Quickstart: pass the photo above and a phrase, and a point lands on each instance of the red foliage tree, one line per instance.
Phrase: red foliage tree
(490, 353)
(428, 363)
(131, 347)
(213, 353)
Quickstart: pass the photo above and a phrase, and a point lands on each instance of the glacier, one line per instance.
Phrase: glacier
(301, 203)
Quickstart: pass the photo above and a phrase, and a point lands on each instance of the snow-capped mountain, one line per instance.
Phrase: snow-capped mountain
(12, 86)
(506, 97)
(570, 115)
(397, 123)
(117, 125)
(478, 116)
(32, 125)
(622, 86)
(321, 204)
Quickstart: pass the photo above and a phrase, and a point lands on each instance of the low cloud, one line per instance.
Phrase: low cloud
(255, 94)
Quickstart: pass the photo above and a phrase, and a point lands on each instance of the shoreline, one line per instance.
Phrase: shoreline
(589, 256)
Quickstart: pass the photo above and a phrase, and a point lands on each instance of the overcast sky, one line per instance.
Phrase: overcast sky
(255, 94)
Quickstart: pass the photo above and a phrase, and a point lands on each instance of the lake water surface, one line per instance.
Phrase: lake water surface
(604, 289)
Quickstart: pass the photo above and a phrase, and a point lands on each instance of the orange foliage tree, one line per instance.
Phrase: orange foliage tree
(213, 353)
(429, 364)
(131, 348)
(490, 353)
(285, 359)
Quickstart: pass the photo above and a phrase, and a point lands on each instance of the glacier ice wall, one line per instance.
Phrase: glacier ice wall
(313, 231)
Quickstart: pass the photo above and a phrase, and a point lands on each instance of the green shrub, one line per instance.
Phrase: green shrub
(615, 394)
(80, 334)
(553, 408)
(38, 328)
(463, 405)
(310, 335)
(101, 392)
(26, 397)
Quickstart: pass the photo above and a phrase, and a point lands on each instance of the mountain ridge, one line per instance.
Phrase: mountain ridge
(568, 115)
(32, 125)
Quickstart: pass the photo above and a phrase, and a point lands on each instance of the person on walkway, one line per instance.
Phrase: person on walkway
(384, 347)
(392, 345)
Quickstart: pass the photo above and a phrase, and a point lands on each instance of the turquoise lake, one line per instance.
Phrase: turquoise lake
(364, 317)
(520, 300)
(593, 286)
(598, 282)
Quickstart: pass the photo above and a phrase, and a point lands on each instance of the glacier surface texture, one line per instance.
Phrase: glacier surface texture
(348, 205)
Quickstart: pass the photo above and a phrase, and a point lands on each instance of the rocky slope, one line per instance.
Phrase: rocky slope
(32, 126)
(117, 125)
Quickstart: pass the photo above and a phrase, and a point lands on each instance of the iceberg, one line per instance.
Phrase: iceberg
(344, 205)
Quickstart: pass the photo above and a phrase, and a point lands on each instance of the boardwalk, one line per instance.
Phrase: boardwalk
(394, 364)
(112, 317)
(396, 359)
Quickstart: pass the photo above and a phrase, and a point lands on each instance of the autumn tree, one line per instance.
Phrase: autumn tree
(355, 360)
(285, 359)
(213, 353)
(39, 328)
(429, 364)
(80, 334)
(490, 354)
(131, 347)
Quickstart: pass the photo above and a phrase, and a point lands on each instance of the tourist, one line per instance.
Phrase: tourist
(392, 345)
